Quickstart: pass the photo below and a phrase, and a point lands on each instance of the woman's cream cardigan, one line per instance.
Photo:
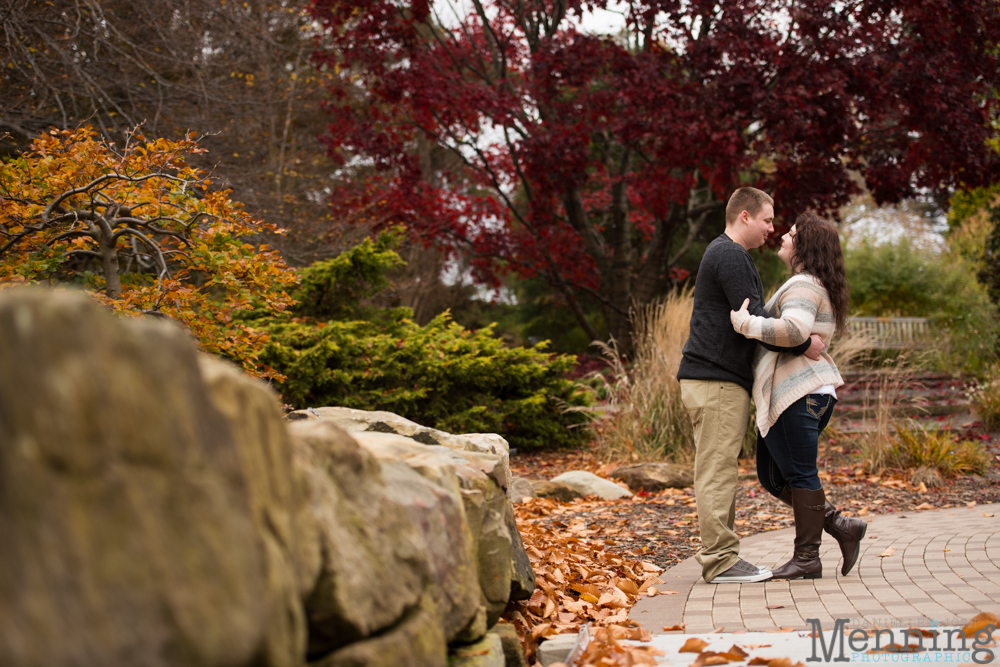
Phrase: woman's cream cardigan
(801, 307)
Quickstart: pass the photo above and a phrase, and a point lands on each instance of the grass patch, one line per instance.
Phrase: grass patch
(643, 417)
(985, 398)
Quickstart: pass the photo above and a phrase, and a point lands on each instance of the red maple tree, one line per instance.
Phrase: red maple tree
(592, 161)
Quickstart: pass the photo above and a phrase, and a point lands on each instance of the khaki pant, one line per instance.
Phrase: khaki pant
(720, 412)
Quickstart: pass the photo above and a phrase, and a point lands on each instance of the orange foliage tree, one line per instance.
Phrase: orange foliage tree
(141, 231)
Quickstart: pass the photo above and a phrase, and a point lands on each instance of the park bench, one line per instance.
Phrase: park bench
(891, 332)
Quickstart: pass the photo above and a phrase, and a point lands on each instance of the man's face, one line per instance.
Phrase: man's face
(759, 226)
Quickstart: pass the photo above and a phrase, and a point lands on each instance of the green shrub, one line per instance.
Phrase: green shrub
(439, 375)
(335, 289)
(900, 280)
(334, 350)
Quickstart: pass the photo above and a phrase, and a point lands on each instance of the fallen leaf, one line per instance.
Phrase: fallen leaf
(980, 621)
(925, 506)
(673, 628)
(971, 503)
(923, 633)
(774, 606)
(652, 591)
(987, 515)
(668, 593)
(719, 630)
(898, 648)
(540, 629)
(780, 662)
(773, 662)
(863, 511)
(649, 582)
(888, 552)
(755, 646)
(693, 645)
(738, 652)
(627, 586)
(709, 658)
(947, 549)
(922, 488)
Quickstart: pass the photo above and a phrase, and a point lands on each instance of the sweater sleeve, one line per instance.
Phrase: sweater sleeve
(798, 305)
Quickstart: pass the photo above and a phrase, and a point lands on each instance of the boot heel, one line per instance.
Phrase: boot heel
(817, 575)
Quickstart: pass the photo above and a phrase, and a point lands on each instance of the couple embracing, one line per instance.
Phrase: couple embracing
(740, 347)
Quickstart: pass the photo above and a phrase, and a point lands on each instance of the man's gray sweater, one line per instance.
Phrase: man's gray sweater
(714, 350)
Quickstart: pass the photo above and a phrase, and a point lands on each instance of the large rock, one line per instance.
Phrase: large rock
(512, 651)
(428, 481)
(589, 484)
(522, 581)
(375, 565)
(127, 534)
(487, 652)
(484, 501)
(655, 476)
(362, 421)
(521, 488)
(279, 503)
(416, 641)
(555, 490)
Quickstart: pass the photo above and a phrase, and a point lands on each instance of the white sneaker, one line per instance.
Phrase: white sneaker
(742, 573)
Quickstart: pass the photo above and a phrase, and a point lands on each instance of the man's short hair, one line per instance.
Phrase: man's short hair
(750, 200)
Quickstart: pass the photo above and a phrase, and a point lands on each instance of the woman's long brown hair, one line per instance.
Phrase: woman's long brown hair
(818, 252)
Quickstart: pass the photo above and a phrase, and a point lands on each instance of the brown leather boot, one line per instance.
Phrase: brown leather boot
(809, 509)
(847, 531)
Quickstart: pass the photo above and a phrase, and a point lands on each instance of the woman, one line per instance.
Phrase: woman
(795, 395)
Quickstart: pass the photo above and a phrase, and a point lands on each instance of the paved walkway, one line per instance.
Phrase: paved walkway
(945, 569)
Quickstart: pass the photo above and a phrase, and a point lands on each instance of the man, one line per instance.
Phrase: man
(716, 377)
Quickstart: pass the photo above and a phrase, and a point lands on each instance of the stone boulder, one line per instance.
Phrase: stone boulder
(416, 641)
(156, 510)
(128, 534)
(362, 421)
(521, 488)
(655, 476)
(555, 490)
(423, 478)
(486, 511)
(487, 652)
(278, 493)
(375, 564)
(589, 484)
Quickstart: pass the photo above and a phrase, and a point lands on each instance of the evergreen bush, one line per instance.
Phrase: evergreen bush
(333, 350)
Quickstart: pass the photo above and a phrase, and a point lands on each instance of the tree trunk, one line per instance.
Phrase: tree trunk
(109, 260)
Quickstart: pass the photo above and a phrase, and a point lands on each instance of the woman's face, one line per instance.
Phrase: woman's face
(787, 250)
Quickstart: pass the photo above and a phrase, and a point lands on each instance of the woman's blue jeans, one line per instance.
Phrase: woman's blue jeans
(786, 456)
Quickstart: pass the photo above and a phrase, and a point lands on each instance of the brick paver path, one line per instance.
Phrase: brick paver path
(945, 569)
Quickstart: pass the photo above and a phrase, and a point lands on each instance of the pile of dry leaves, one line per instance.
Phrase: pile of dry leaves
(578, 581)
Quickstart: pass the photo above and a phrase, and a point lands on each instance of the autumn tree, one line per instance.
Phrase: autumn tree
(144, 232)
(594, 161)
(239, 73)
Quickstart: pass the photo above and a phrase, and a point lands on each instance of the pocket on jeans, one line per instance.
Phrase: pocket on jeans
(817, 405)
